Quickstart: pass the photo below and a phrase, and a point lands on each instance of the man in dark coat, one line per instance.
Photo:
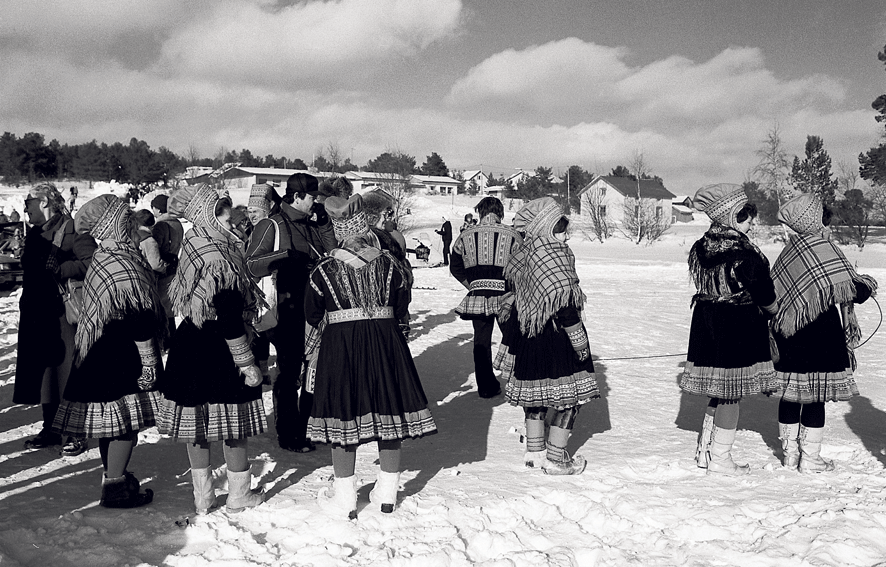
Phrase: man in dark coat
(169, 234)
(306, 235)
(445, 233)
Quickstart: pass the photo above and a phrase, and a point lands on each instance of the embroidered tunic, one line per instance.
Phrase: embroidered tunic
(367, 387)
(479, 257)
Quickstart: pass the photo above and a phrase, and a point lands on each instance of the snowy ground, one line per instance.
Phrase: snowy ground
(466, 498)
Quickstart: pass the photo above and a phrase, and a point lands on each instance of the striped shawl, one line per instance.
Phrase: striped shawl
(811, 274)
(542, 274)
(119, 281)
(209, 263)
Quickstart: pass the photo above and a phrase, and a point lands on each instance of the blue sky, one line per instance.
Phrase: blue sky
(692, 85)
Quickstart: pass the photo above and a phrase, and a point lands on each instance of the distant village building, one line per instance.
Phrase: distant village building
(477, 177)
(521, 175)
(682, 209)
(608, 194)
(435, 184)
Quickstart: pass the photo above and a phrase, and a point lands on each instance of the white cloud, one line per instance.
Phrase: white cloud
(571, 81)
(251, 42)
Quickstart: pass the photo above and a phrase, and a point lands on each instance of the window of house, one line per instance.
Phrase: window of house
(658, 212)
(602, 191)
(602, 210)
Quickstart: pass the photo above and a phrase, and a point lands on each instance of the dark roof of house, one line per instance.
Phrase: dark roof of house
(649, 188)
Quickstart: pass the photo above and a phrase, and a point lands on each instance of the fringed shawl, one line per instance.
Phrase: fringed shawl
(542, 271)
(360, 276)
(119, 281)
(209, 263)
(811, 274)
(712, 261)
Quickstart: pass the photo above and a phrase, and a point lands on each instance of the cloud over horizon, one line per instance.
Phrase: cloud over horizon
(288, 79)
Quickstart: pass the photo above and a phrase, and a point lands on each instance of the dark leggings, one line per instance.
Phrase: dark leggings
(563, 419)
(808, 415)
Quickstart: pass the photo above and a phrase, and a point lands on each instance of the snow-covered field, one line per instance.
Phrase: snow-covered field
(466, 498)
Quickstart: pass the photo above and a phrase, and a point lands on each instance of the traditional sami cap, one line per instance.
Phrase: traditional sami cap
(721, 202)
(538, 217)
(105, 216)
(347, 215)
(302, 183)
(258, 197)
(802, 213)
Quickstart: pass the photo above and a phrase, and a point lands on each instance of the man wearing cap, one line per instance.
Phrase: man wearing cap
(169, 233)
(305, 236)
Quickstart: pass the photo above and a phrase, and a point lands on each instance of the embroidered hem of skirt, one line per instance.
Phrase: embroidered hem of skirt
(811, 387)
(211, 422)
(95, 420)
(729, 383)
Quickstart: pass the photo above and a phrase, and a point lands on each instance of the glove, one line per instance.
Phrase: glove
(579, 339)
(151, 367)
(245, 361)
(322, 215)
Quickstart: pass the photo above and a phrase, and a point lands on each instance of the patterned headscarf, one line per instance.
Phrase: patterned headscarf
(721, 202)
(106, 216)
(119, 280)
(802, 214)
(542, 271)
(347, 216)
(210, 259)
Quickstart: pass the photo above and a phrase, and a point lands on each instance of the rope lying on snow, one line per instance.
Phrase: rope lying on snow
(880, 309)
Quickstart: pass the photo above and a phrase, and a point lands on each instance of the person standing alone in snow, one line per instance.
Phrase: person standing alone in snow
(445, 233)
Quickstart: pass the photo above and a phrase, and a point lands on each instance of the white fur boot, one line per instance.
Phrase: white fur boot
(811, 460)
(385, 491)
(240, 493)
(204, 493)
(704, 441)
(720, 454)
(343, 500)
(789, 444)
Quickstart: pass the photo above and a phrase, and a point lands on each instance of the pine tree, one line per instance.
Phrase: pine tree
(872, 165)
(813, 174)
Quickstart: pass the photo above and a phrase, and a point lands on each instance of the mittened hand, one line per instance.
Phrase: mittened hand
(583, 354)
(148, 379)
(252, 375)
(405, 329)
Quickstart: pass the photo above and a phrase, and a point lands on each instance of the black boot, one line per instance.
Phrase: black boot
(123, 492)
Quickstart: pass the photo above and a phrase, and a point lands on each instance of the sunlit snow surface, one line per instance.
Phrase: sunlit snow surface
(466, 498)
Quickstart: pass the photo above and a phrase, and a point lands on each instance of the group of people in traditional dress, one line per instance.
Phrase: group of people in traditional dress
(756, 330)
(340, 293)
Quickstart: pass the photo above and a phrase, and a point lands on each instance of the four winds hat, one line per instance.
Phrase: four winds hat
(258, 197)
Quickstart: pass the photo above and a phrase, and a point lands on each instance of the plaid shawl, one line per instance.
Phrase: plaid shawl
(119, 281)
(811, 274)
(542, 272)
(209, 263)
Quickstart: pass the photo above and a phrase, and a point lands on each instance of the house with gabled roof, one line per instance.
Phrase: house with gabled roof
(475, 176)
(436, 184)
(610, 193)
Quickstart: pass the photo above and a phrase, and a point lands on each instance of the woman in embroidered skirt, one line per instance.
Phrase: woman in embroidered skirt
(812, 277)
(729, 356)
(543, 330)
(109, 395)
(367, 388)
(211, 388)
